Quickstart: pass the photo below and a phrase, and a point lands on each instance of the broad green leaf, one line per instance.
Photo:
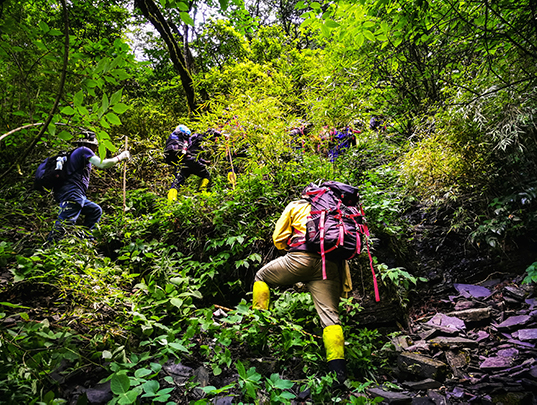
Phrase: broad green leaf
(83, 111)
(116, 97)
(177, 302)
(369, 35)
(105, 103)
(67, 110)
(359, 40)
(178, 346)
(44, 26)
(120, 384)
(78, 99)
(106, 354)
(142, 372)
(65, 135)
(150, 387)
(51, 129)
(104, 123)
(109, 145)
(186, 18)
(331, 24)
(101, 66)
(113, 119)
(384, 26)
(240, 369)
(121, 74)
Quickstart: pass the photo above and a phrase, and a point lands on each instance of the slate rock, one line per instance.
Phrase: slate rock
(426, 384)
(472, 315)
(100, 394)
(497, 362)
(419, 346)
(446, 322)
(422, 366)
(472, 291)
(458, 362)
(453, 342)
(390, 397)
(400, 343)
(463, 305)
(514, 292)
(438, 398)
(422, 401)
(202, 376)
(527, 334)
(513, 322)
(224, 401)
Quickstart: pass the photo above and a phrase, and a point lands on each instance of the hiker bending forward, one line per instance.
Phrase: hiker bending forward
(71, 195)
(299, 265)
(191, 162)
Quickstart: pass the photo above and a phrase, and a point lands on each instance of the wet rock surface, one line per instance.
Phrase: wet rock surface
(476, 346)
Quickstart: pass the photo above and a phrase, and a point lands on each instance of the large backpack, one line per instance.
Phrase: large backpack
(176, 147)
(52, 172)
(336, 224)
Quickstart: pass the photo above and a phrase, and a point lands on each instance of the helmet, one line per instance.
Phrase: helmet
(182, 129)
(88, 138)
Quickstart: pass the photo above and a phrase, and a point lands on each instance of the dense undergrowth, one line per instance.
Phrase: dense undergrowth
(165, 283)
(168, 284)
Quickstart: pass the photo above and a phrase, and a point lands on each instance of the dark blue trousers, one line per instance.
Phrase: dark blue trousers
(69, 213)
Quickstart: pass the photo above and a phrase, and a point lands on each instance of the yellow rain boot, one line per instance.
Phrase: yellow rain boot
(172, 194)
(232, 178)
(203, 185)
(334, 343)
(261, 295)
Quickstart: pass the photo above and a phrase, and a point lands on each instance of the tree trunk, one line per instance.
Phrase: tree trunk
(152, 13)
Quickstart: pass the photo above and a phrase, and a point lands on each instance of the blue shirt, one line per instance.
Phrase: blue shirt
(78, 176)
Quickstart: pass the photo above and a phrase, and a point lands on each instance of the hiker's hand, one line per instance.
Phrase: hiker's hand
(124, 155)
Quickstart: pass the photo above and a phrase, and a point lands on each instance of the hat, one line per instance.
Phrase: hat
(88, 138)
(183, 128)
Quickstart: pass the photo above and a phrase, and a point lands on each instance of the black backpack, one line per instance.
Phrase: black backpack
(52, 172)
(176, 148)
(336, 224)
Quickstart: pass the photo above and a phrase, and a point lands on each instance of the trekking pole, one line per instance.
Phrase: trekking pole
(125, 179)
(233, 175)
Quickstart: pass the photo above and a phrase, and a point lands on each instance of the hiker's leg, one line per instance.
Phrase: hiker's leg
(292, 268)
(326, 296)
(92, 214)
(69, 213)
(199, 169)
(286, 270)
(181, 174)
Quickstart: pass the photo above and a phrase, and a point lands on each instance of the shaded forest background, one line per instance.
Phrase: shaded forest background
(449, 188)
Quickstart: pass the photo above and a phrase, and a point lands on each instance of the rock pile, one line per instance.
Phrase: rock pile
(480, 348)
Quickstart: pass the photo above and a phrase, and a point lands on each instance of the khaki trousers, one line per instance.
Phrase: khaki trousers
(306, 267)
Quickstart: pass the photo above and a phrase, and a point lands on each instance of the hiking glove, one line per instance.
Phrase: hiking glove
(123, 155)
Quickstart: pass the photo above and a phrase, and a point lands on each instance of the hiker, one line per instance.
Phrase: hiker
(71, 194)
(187, 149)
(378, 123)
(340, 140)
(299, 265)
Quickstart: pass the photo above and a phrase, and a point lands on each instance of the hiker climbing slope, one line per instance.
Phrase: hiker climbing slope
(183, 151)
(71, 193)
(326, 278)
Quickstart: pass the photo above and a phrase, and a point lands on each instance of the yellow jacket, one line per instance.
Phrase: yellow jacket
(292, 223)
